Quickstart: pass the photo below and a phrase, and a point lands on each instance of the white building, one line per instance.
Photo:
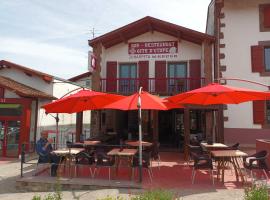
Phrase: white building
(242, 51)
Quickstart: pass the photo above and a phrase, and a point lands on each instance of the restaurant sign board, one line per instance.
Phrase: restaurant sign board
(153, 49)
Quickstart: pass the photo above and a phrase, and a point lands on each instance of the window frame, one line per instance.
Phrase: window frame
(264, 52)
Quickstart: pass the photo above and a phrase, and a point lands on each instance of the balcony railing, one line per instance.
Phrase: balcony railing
(161, 86)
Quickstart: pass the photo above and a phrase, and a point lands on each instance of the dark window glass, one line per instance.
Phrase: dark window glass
(128, 75)
(177, 72)
(267, 58)
(268, 112)
(7, 109)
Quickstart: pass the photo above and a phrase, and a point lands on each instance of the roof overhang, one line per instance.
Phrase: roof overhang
(23, 90)
(150, 24)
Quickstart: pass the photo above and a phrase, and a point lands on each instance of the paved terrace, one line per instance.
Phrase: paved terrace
(174, 174)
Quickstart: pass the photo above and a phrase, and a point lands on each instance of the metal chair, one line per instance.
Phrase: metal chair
(155, 153)
(256, 161)
(103, 161)
(194, 149)
(146, 157)
(84, 158)
(202, 162)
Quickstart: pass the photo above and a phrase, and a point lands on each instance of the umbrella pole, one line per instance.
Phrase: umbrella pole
(140, 135)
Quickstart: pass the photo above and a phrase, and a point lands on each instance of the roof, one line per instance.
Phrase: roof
(84, 75)
(23, 90)
(147, 24)
(26, 70)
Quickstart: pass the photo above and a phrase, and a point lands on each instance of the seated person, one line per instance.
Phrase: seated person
(44, 150)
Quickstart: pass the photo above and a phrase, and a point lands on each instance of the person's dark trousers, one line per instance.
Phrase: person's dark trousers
(55, 160)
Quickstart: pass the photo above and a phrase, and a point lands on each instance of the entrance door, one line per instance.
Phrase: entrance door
(9, 137)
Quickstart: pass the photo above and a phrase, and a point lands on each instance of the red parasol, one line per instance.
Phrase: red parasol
(80, 101)
(215, 93)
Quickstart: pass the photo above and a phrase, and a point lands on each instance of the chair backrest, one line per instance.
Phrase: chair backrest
(235, 146)
(195, 149)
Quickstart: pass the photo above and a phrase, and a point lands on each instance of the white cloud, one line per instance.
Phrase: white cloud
(64, 62)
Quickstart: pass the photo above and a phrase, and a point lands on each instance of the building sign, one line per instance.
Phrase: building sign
(161, 49)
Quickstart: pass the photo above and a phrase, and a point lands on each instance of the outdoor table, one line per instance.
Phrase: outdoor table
(214, 146)
(88, 143)
(223, 156)
(126, 153)
(68, 154)
(137, 143)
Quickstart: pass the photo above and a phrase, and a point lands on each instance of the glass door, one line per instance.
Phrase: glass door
(9, 138)
(2, 134)
(12, 138)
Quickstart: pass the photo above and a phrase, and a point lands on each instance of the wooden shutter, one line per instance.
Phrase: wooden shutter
(266, 16)
(258, 112)
(195, 74)
(160, 77)
(143, 74)
(257, 58)
(111, 83)
(2, 92)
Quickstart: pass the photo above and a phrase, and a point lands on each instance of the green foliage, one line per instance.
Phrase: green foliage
(57, 195)
(256, 192)
(112, 198)
(148, 195)
(155, 195)
(36, 197)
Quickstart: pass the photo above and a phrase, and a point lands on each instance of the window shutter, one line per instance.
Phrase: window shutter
(111, 83)
(266, 16)
(143, 74)
(257, 58)
(195, 74)
(2, 92)
(258, 112)
(160, 77)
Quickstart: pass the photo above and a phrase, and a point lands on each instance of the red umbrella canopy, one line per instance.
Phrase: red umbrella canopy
(148, 102)
(215, 93)
(80, 101)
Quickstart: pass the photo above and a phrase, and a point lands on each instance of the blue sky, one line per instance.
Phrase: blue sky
(52, 35)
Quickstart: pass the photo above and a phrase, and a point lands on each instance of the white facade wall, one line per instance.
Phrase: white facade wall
(186, 51)
(31, 81)
(241, 31)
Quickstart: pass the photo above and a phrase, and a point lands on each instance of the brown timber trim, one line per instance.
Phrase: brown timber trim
(208, 67)
(186, 131)
(221, 55)
(261, 18)
(221, 45)
(222, 15)
(221, 35)
(222, 25)
(226, 119)
(223, 68)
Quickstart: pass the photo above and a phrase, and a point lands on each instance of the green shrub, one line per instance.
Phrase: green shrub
(36, 197)
(155, 195)
(256, 192)
(112, 198)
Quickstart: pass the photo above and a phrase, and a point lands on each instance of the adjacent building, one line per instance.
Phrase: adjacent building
(242, 51)
(22, 93)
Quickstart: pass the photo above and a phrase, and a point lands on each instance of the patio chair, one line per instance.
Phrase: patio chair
(103, 161)
(146, 157)
(256, 161)
(155, 153)
(202, 162)
(194, 149)
(84, 158)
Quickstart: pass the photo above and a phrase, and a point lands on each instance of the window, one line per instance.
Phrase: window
(267, 58)
(88, 83)
(128, 75)
(268, 112)
(264, 15)
(7, 109)
(177, 73)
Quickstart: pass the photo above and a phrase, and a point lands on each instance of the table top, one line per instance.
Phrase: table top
(124, 152)
(88, 143)
(137, 143)
(66, 151)
(214, 145)
(228, 153)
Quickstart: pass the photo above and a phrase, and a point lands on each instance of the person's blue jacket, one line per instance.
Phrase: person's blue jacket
(40, 147)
